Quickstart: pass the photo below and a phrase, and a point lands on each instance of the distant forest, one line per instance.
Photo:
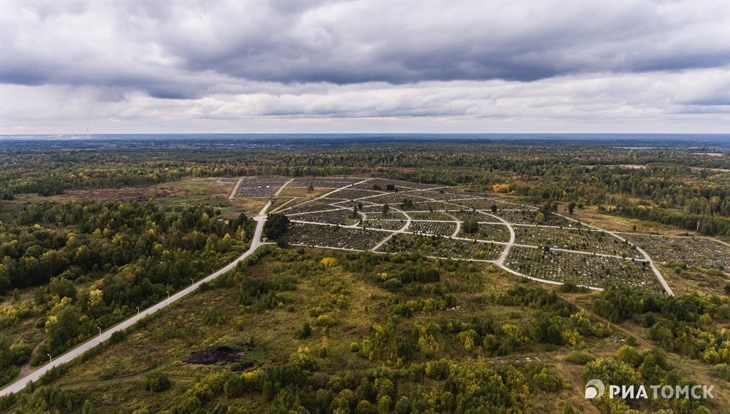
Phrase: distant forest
(678, 183)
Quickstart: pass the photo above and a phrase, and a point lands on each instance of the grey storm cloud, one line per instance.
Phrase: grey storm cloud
(177, 50)
(343, 65)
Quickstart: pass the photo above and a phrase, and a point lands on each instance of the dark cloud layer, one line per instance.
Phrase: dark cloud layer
(513, 62)
(156, 47)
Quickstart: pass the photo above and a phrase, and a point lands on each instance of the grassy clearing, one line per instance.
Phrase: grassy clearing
(687, 280)
(303, 192)
(591, 215)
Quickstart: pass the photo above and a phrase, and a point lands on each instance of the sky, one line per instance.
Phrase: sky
(364, 66)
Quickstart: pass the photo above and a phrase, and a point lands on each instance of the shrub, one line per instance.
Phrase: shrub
(610, 371)
(384, 404)
(547, 380)
(470, 225)
(572, 288)
(157, 382)
(437, 369)
(306, 331)
(117, 337)
(324, 320)
(392, 284)
(233, 387)
(580, 357)
(363, 407)
(629, 355)
(721, 371)
(403, 406)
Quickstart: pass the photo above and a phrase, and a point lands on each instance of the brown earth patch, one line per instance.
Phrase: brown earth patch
(214, 355)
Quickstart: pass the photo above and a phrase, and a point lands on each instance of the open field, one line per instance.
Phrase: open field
(591, 215)
(691, 280)
(530, 217)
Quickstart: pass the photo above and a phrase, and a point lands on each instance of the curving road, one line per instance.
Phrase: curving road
(75, 352)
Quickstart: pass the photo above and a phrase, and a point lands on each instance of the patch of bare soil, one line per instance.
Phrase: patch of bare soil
(214, 355)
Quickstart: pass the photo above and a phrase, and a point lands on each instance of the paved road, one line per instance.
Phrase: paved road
(647, 258)
(235, 189)
(402, 230)
(21, 383)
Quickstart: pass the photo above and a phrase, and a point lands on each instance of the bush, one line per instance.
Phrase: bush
(324, 320)
(572, 288)
(580, 357)
(384, 404)
(233, 387)
(547, 380)
(19, 352)
(157, 382)
(721, 371)
(610, 371)
(567, 408)
(403, 406)
(437, 369)
(117, 337)
(306, 331)
(392, 285)
(470, 225)
(629, 355)
(364, 407)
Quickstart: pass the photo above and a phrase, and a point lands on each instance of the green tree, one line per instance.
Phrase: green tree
(306, 331)
(157, 382)
(63, 328)
(276, 226)
(470, 225)
(571, 207)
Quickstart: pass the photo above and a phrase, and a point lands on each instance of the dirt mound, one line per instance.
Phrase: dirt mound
(214, 355)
